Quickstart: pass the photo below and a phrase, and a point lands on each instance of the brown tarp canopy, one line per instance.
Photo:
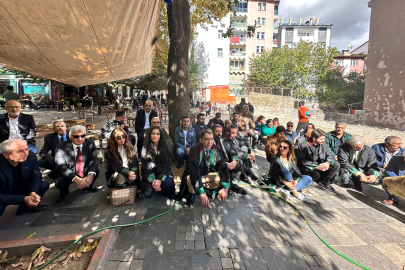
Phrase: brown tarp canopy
(79, 42)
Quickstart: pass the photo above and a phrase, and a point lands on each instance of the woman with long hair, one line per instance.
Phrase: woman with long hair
(156, 159)
(276, 122)
(284, 172)
(121, 160)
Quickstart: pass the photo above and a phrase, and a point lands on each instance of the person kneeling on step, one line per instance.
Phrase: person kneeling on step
(230, 153)
(121, 160)
(284, 171)
(156, 159)
(358, 162)
(206, 171)
(316, 160)
(20, 178)
(77, 162)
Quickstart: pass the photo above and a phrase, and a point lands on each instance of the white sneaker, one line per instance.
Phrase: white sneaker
(284, 193)
(305, 198)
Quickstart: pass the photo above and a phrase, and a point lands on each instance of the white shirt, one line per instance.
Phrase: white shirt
(356, 156)
(14, 130)
(247, 123)
(185, 137)
(147, 120)
(388, 155)
(124, 157)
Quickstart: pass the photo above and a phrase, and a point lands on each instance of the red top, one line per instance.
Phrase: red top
(301, 114)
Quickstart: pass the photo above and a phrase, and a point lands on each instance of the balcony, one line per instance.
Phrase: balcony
(237, 53)
(239, 24)
(276, 12)
(238, 39)
(275, 28)
(276, 17)
(238, 68)
(240, 9)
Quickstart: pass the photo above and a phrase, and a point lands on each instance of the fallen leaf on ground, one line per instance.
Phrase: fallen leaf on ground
(29, 236)
(35, 254)
(142, 217)
(96, 243)
(302, 229)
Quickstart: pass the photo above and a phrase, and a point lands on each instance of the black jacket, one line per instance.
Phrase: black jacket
(115, 165)
(276, 170)
(50, 143)
(31, 177)
(66, 162)
(233, 148)
(196, 169)
(26, 124)
(311, 156)
(153, 168)
(368, 160)
(140, 119)
(198, 128)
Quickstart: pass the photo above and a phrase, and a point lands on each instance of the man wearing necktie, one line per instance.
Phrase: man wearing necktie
(76, 162)
(206, 172)
(59, 135)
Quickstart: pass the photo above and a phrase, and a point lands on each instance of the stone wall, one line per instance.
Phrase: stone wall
(268, 101)
(344, 117)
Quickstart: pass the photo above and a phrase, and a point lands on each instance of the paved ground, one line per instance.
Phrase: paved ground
(256, 231)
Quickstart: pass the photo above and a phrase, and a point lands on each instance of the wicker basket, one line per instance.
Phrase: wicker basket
(122, 196)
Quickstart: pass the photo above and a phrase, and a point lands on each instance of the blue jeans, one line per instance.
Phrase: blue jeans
(304, 181)
(31, 148)
(166, 185)
(181, 155)
(25, 192)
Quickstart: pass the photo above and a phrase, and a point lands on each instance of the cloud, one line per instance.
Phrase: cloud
(350, 18)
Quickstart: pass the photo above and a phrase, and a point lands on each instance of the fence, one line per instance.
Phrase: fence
(241, 90)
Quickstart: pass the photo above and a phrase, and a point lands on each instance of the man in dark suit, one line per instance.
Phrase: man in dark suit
(20, 179)
(17, 125)
(47, 160)
(76, 162)
(142, 122)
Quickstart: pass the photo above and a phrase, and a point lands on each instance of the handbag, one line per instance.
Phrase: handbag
(122, 195)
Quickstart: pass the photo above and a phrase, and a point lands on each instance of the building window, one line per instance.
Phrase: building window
(303, 34)
(220, 33)
(263, 21)
(220, 52)
(322, 32)
(260, 35)
(289, 44)
(339, 63)
(259, 49)
(354, 62)
(261, 6)
(289, 32)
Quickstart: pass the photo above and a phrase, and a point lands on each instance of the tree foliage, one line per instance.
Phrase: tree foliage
(340, 90)
(302, 68)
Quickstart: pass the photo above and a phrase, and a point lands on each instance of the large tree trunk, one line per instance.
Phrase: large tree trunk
(178, 15)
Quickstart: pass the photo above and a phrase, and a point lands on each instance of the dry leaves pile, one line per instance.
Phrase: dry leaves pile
(42, 254)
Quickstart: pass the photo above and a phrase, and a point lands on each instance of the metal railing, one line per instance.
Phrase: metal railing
(240, 9)
(237, 68)
(238, 53)
(243, 39)
(239, 24)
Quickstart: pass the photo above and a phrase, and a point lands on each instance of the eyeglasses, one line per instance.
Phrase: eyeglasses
(121, 137)
(156, 122)
(284, 147)
(13, 107)
(79, 136)
(290, 126)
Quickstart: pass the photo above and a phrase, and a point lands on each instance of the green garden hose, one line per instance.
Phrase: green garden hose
(176, 205)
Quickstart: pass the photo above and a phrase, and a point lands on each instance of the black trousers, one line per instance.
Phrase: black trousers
(301, 125)
(139, 144)
(42, 163)
(24, 191)
(63, 184)
(240, 167)
(322, 176)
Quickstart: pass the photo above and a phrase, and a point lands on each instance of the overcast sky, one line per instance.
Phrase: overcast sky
(350, 18)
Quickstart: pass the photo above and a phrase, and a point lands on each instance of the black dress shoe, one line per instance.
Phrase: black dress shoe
(90, 189)
(190, 200)
(358, 187)
(345, 184)
(239, 190)
(327, 186)
(252, 175)
(244, 178)
(59, 199)
(22, 209)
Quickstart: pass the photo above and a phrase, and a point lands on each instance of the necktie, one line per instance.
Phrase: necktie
(62, 139)
(79, 163)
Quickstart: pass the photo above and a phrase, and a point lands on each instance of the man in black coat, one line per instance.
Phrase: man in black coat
(216, 120)
(358, 162)
(17, 125)
(77, 162)
(142, 122)
(47, 160)
(200, 125)
(316, 160)
(205, 158)
(20, 179)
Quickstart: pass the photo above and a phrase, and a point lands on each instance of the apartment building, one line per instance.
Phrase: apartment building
(312, 30)
(225, 61)
(354, 61)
